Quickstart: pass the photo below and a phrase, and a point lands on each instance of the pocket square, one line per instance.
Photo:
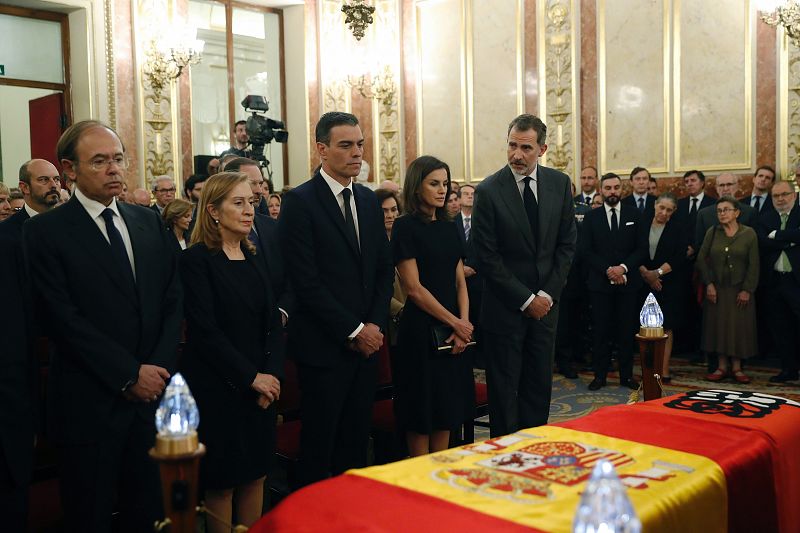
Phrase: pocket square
(629, 223)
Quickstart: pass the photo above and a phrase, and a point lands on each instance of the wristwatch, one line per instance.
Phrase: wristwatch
(660, 272)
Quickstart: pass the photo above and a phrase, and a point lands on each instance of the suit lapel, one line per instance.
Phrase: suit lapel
(138, 234)
(365, 223)
(263, 236)
(510, 194)
(88, 235)
(331, 206)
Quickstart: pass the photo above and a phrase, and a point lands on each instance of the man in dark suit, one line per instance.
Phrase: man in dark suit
(688, 338)
(779, 240)
(759, 198)
(727, 184)
(588, 186)
(640, 198)
(524, 237)
(570, 348)
(463, 221)
(264, 235)
(613, 246)
(337, 257)
(107, 278)
(164, 193)
(40, 185)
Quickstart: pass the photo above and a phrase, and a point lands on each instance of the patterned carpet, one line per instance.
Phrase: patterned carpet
(572, 398)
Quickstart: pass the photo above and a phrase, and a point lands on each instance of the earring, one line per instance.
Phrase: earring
(216, 222)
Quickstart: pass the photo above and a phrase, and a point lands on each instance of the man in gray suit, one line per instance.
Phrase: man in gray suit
(524, 238)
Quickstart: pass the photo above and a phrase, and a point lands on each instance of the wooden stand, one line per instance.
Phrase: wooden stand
(651, 349)
(179, 481)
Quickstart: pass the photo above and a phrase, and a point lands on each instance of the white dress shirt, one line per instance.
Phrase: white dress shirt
(30, 211)
(520, 179)
(95, 210)
(699, 201)
(336, 189)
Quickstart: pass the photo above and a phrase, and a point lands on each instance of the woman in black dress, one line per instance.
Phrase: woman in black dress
(433, 388)
(234, 351)
(663, 272)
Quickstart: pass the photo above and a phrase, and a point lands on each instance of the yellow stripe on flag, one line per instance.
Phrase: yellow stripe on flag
(535, 478)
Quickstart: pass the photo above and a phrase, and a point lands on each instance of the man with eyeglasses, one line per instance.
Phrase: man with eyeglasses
(40, 186)
(164, 192)
(107, 279)
(779, 237)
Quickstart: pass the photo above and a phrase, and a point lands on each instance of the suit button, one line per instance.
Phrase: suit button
(269, 333)
(269, 353)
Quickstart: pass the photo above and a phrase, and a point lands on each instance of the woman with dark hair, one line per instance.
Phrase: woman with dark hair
(177, 217)
(234, 351)
(433, 388)
(453, 205)
(728, 263)
(662, 272)
(390, 205)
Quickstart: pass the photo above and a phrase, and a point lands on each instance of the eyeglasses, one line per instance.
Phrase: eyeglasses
(782, 195)
(102, 163)
(166, 190)
(725, 210)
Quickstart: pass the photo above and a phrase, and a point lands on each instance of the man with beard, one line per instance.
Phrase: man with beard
(613, 246)
(40, 185)
(240, 141)
(524, 239)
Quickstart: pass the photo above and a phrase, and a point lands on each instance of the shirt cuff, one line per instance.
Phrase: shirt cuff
(527, 302)
(625, 267)
(772, 234)
(545, 296)
(284, 313)
(356, 331)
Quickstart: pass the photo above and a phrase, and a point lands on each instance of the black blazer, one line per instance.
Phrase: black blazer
(336, 287)
(787, 240)
(219, 309)
(173, 240)
(599, 250)
(682, 214)
(272, 258)
(103, 327)
(765, 206)
(18, 366)
(671, 249)
(649, 204)
(512, 264)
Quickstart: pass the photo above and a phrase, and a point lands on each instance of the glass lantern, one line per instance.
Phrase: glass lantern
(177, 419)
(651, 319)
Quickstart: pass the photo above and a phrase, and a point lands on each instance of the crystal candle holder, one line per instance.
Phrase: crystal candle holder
(177, 419)
(651, 319)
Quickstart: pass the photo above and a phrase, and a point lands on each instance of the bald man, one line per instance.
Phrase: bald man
(41, 187)
(389, 185)
(141, 197)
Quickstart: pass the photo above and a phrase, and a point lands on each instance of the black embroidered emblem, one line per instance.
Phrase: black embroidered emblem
(736, 404)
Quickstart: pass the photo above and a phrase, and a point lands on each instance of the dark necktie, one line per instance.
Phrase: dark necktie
(253, 237)
(348, 219)
(614, 222)
(117, 245)
(757, 203)
(587, 200)
(467, 227)
(641, 205)
(693, 209)
(531, 208)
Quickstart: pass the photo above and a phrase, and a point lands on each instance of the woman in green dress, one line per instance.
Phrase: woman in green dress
(728, 264)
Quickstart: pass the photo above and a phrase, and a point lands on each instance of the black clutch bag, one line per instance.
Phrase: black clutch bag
(439, 335)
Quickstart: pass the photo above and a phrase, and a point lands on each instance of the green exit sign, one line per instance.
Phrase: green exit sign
(2, 70)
